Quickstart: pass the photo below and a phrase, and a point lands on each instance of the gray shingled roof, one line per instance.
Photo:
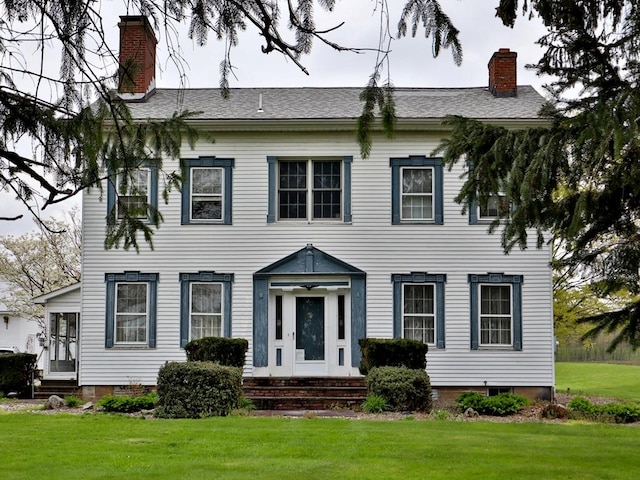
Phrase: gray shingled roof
(337, 103)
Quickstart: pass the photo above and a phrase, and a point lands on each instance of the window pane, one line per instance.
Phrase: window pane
(495, 206)
(206, 180)
(206, 208)
(417, 194)
(495, 314)
(417, 180)
(326, 175)
(326, 204)
(133, 196)
(418, 314)
(206, 310)
(327, 195)
(131, 312)
(292, 194)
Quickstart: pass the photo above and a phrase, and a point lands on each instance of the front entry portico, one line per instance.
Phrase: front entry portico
(309, 312)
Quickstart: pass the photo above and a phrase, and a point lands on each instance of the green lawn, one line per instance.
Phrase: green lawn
(100, 446)
(600, 379)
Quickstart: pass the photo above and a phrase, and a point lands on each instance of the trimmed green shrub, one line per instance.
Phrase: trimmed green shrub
(73, 401)
(498, 405)
(16, 373)
(117, 404)
(615, 412)
(403, 389)
(225, 351)
(374, 404)
(392, 352)
(198, 389)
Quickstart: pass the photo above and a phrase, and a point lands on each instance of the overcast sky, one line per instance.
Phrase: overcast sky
(412, 63)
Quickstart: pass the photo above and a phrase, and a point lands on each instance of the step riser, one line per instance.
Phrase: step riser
(306, 403)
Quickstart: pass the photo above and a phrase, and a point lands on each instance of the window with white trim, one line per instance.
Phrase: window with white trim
(131, 302)
(206, 192)
(316, 189)
(134, 194)
(310, 190)
(496, 311)
(416, 190)
(418, 315)
(496, 315)
(418, 307)
(205, 305)
(131, 313)
(205, 313)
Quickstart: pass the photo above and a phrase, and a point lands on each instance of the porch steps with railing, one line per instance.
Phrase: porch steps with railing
(305, 393)
(62, 388)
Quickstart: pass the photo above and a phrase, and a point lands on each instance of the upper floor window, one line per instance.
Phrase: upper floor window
(132, 194)
(206, 193)
(495, 207)
(309, 189)
(416, 190)
(418, 307)
(131, 309)
(496, 310)
(205, 305)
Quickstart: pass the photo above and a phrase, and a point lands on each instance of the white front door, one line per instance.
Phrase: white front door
(309, 332)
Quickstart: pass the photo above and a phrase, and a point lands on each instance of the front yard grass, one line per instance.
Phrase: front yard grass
(599, 379)
(89, 447)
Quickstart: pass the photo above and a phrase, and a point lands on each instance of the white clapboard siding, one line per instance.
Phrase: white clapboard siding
(370, 243)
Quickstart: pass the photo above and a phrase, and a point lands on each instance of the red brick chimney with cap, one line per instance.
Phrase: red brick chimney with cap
(137, 72)
(503, 78)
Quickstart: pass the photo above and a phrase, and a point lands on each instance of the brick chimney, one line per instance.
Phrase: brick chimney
(137, 72)
(503, 78)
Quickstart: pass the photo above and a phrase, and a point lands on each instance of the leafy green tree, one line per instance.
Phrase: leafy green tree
(40, 262)
(77, 132)
(577, 179)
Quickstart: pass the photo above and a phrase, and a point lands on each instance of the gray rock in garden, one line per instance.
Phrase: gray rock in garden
(470, 412)
(87, 406)
(54, 402)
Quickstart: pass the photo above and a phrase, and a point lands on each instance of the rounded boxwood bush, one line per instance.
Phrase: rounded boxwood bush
(197, 389)
(403, 389)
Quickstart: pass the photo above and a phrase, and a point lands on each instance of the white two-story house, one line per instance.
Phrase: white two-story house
(285, 236)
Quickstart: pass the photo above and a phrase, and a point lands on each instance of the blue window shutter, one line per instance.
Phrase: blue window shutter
(110, 311)
(395, 191)
(184, 310)
(260, 322)
(226, 314)
(475, 312)
(358, 317)
(186, 192)
(153, 312)
(153, 186)
(440, 314)
(397, 306)
(473, 213)
(111, 200)
(438, 194)
(347, 161)
(517, 316)
(228, 196)
(272, 194)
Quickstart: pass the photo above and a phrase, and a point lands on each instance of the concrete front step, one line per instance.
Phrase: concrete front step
(305, 393)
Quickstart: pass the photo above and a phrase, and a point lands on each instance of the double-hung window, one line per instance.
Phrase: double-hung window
(131, 309)
(418, 316)
(205, 305)
(496, 311)
(316, 189)
(495, 207)
(206, 193)
(416, 190)
(132, 194)
(418, 307)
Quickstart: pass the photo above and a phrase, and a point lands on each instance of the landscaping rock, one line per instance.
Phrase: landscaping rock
(471, 413)
(554, 410)
(54, 402)
(87, 406)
